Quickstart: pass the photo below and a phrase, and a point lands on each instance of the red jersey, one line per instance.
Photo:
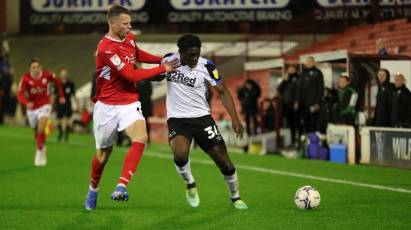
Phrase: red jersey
(36, 90)
(116, 73)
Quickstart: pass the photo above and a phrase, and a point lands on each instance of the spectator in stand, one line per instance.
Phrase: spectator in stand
(382, 113)
(268, 115)
(288, 92)
(9, 100)
(347, 101)
(309, 92)
(4, 77)
(379, 43)
(401, 103)
(2, 98)
(329, 103)
(248, 95)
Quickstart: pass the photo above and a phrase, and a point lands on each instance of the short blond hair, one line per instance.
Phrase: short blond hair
(115, 10)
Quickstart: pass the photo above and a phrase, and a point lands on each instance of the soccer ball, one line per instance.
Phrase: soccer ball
(307, 197)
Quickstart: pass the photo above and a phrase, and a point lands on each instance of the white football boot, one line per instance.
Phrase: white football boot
(43, 158)
(37, 158)
(193, 198)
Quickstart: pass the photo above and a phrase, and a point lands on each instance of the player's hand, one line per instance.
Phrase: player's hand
(29, 105)
(176, 63)
(238, 129)
(296, 105)
(62, 100)
(172, 65)
(315, 108)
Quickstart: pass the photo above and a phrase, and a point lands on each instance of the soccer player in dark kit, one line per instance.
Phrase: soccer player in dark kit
(189, 117)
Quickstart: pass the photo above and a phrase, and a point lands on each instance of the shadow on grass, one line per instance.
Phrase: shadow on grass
(43, 208)
(192, 218)
(4, 172)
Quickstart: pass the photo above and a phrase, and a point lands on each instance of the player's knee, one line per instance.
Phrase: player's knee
(141, 137)
(180, 154)
(103, 155)
(227, 169)
(180, 150)
(102, 158)
(144, 138)
(220, 150)
(41, 129)
(180, 161)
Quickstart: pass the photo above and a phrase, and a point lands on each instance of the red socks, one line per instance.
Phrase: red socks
(131, 162)
(129, 166)
(40, 140)
(96, 171)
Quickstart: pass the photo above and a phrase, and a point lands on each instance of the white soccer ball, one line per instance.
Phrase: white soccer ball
(307, 197)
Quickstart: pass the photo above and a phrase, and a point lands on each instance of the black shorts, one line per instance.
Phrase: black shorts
(64, 110)
(202, 129)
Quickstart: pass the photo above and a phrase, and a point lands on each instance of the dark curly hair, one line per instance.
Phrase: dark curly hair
(188, 41)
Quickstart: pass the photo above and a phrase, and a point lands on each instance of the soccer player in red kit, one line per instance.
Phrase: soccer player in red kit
(34, 94)
(116, 102)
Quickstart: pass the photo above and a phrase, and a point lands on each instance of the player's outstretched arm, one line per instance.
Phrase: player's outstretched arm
(228, 103)
(59, 86)
(158, 77)
(127, 70)
(20, 95)
(175, 63)
(143, 56)
(135, 75)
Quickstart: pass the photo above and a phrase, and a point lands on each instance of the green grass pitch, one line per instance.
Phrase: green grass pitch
(52, 197)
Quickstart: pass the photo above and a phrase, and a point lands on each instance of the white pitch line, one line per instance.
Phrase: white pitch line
(285, 173)
(260, 169)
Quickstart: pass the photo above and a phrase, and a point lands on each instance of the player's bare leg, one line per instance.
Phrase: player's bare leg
(60, 130)
(138, 135)
(180, 146)
(41, 154)
(97, 166)
(37, 155)
(65, 128)
(220, 156)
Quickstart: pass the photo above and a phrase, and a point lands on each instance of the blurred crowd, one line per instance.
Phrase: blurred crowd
(8, 102)
(305, 105)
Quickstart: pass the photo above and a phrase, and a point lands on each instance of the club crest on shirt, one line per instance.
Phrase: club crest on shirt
(130, 59)
(115, 60)
(133, 44)
(216, 76)
(44, 81)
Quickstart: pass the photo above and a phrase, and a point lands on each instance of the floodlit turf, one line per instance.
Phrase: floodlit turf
(52, 197)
